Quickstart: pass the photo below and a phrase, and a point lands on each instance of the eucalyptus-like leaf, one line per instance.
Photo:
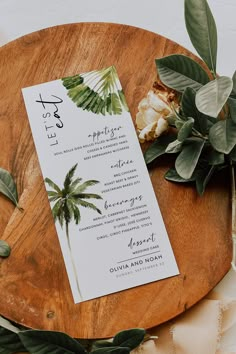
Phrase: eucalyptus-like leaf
(173, 176)
(232, 108)
(216, 158)
(202, 31)
(188, 102)
(186, 130)
(10, 342)
(179, 124)
(5, 249)
(130, 338)
(203, 177)
(174, 147)
(171, 119)
(179, 71)
(187, 160)
(158, 148)
(190, 110)
(45, 342)
(102, 344)
(8, 186)
(222, 135)
(211, 98)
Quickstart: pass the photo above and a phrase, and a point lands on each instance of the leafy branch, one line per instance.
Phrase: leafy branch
(203, 137)
(204, 128)
(44, 342)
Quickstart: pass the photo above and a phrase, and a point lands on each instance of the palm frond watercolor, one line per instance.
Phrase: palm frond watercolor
(98, 91)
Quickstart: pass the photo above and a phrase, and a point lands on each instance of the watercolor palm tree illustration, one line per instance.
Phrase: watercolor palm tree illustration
(68, 200)
(98, 91)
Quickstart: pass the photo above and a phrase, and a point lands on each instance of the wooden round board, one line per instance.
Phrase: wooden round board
(34, 287)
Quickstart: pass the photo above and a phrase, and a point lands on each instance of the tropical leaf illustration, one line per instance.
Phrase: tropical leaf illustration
(98, 91)
(67, 201)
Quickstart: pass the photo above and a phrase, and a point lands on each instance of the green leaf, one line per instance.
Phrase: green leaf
(77, 216)
(222, 135)
(5, 249)
(202, 31)
(52, 185)
(86, 204)
(190, 110)
(173, 176)
(171, 119)
(45, 342)
(179, 72)
(123, 100)
(10, 342)
(188, 158)
(102, 344)
(174, 147)
(211, 98)
(82, 187)
(115, 103)
(72, 81)
(158, 148)
(188, 102)
(216, 158)
(179, 124)
(203, 177)
(75, 183)
(186, 130)
(130, 338)
(8, 186)
(57, 211)
(69, 177)
(232, 108)
(108, 105)
(52, 194)
(111, 350)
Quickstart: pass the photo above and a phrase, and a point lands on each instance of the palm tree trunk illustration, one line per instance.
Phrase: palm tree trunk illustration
(72, 260)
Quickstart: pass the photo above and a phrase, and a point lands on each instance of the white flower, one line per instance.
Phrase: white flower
(151, 118)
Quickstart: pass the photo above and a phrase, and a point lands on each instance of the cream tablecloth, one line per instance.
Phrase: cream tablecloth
(207, 328)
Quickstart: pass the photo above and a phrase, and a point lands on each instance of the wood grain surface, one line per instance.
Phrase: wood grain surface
(34, 288)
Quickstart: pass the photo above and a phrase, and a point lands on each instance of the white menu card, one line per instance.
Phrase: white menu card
(107, 218)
